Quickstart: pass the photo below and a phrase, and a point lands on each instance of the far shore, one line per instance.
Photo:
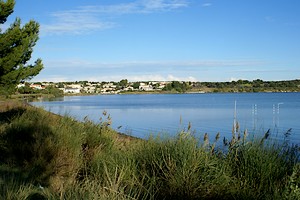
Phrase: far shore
(49, 96)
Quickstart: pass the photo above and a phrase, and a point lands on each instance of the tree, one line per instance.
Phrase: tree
(123, 83)
(60, 85)
(26, 89)
(136, 85)
(16, 47)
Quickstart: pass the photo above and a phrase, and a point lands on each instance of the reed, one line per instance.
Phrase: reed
(177, 168)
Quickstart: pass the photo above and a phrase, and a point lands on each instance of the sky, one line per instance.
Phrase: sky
(165, 40)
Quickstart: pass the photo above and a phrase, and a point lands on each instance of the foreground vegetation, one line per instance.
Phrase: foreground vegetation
(45, 156)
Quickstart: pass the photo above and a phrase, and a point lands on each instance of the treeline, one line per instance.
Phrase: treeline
(248, 86)
(234, 86)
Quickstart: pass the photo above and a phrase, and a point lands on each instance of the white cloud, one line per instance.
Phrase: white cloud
(206, 4)
(77, 69)
(86, 19)
(133, 78)
(158, 77)
(162, 5)
(171, 77)
(130, 65)
(135, 7)
(74, 23)
(50, 78)
(70, 63)
(153, 77)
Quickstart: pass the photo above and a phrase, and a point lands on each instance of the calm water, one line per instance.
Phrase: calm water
(145, 114)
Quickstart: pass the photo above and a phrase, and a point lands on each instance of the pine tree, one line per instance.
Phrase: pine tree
(16, 47)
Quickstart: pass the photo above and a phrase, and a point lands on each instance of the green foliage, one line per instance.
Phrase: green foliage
(49, 90)
(83, 83)
(293, 186)
(53, 91)
(123, 83)
(249, 86)
(136, 85)
(60, 85)
(26, 90)
(16, 47)
(6, 8)
(177, 86)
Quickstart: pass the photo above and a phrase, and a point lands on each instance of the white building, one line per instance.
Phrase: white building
(75, 86)
(90, 89)
(21, 85)
(109, 85)
(146, 87)
(37, 86)
(72, 90)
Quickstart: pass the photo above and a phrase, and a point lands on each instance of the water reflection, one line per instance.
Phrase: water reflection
(141, 115)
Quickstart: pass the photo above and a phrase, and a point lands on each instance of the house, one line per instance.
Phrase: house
(78, 86)
(109, 91)
(109, 85)
(21, 85)
(128, 88)
(72, 90)
(37, 86)
(145, 87)
(89, 89)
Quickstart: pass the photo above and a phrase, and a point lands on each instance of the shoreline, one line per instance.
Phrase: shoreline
(162, 93)
(6, 105)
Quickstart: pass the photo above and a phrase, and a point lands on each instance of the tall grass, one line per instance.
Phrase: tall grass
(44, 156)
(178, 169)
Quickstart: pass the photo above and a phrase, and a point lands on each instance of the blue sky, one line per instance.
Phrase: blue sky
(191, 40)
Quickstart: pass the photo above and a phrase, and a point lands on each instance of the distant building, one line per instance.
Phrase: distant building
(37, 86)
(109, 85)
(21, 85)
(89, 89)
(128, 88)
(78, 86)
(145, 87)
(72, 90)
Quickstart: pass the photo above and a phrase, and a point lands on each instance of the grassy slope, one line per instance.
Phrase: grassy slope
(48, 156)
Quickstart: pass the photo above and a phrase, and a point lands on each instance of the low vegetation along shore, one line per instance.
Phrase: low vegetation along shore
(45, 156)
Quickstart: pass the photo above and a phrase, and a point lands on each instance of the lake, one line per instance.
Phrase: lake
(141, 115)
